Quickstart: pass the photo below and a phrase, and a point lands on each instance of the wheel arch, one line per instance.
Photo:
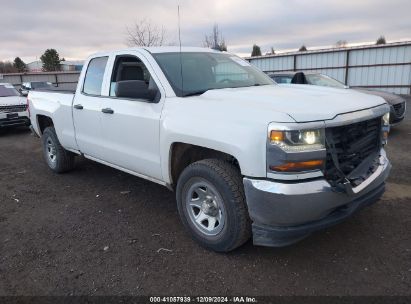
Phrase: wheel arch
(183, 154)
(43, 122)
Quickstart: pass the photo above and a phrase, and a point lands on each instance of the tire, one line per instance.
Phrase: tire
(57, 158)
(212, 206)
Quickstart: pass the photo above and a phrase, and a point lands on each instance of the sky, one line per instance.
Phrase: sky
(78, 28)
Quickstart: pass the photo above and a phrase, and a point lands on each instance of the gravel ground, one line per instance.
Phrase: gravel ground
(98, 231)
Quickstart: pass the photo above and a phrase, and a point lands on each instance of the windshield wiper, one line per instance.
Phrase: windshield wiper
(200, 92)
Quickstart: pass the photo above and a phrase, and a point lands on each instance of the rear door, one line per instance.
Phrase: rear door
(87, 107)
(131, 125)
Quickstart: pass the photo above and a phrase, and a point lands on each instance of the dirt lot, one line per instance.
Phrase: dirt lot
(98, 231)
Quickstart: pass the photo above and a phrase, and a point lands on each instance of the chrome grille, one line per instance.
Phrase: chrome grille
(351, 144)
(13, 108)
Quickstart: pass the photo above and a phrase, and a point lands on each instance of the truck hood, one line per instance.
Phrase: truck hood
(301, 102)
(12, 101)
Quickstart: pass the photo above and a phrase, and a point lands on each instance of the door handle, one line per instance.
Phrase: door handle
(78, 107)
(107, 111)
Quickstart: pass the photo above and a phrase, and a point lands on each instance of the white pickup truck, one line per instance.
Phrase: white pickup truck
(13, 107)
(244, 155)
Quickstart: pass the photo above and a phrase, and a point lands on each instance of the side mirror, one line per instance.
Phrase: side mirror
(135, 89)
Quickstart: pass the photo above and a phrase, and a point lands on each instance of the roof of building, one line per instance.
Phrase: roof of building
(72, 62)
(333, 49)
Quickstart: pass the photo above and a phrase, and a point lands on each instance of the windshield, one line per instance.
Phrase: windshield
(202, 71)
(323, 80)
(282, 78)
(8, 90)
(39, 85)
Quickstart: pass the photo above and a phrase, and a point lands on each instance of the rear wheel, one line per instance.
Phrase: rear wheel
(211, 204)
(58, 159)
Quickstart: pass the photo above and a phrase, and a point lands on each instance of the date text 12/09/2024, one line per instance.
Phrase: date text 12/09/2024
(203, 299)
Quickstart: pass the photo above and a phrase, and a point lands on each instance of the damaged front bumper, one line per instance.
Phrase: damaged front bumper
(16, 121)
(286, 212)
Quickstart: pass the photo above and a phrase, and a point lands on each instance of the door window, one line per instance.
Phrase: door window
(132, 80)
(93, 80)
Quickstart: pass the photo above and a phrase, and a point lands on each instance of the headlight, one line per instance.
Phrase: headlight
(386, 119)
(385, 127)
(298, 140)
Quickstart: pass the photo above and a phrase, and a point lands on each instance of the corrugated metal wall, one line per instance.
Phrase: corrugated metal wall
(64, 80)
(383, 67)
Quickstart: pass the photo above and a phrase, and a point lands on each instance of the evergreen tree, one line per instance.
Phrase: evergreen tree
(256, 51)
(19, 65)
(51, 60)
(380, 40)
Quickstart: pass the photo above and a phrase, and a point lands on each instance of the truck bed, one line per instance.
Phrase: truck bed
(57, 89)
(57, 105)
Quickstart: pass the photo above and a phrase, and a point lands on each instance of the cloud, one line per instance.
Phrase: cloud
(77, 28)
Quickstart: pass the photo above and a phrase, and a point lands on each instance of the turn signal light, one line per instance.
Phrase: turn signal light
(298, 166)
(276, 136)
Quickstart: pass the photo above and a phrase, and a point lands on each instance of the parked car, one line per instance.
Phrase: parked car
(243, 155)
(397, 103)
(13, 107)
(34, 85)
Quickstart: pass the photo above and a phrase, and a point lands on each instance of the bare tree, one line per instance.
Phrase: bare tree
(7, 67)
(144, 33)
(271, 52)
(215, 40)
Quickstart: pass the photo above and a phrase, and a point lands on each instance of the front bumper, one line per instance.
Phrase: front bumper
(286, 212)
(21, 120)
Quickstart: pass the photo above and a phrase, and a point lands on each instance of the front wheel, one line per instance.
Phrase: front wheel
(212, 206)
(58, 159)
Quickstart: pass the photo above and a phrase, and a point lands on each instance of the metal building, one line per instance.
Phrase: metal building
(384, 67)
(65, 80)
(66, 65)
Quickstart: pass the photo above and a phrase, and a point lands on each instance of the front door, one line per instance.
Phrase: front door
(131, 123)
